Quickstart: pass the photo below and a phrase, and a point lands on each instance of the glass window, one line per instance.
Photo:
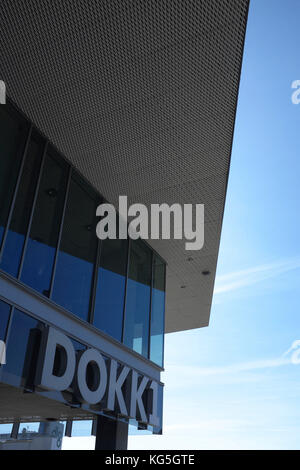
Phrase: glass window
(157, 311)
(109, 302)
(41, 248)
(77, 253)
(77, 345)
(12, 141)
(82, 428)
(28, 430)
(20, 218)
(5, 430)
(21, 349)
(138, 298)
(4, 318)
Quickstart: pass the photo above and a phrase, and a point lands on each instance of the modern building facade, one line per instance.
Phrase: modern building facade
(106, 98)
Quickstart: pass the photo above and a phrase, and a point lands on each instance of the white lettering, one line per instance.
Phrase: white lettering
(106, 228)
(137, 391)
(53, 341)
(138, 227)
(198, 234)
(2, 92)
(115, 387)
(2, 352)
(57, 370)
(296, 94)
(165, 211)
(91, 356)
(160, 217)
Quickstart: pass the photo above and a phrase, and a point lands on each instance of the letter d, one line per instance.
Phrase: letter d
(53, 339)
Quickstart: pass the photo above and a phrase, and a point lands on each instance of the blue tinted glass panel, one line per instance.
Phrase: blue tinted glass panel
(4, 318)
(21, 352)
(76, 258)
(136, 329)
(109, 302)
(19, 222)
(158, 429)
(12, 141)
(157, 312)
(41, 248)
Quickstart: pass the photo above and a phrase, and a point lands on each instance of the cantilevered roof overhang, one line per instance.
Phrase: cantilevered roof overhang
(140, 95)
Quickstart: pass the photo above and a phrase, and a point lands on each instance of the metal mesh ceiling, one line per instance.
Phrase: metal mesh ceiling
(140, 95)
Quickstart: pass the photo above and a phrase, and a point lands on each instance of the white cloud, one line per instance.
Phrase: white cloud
(239, 279)
(78, 443)
(233, 368)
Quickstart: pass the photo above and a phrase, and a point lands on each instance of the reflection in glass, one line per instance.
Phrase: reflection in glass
(40, 252)
(12, 141)
(138, 298)
(20, 218)
(77, 253)
(109, 302)
(27, 430)
(157, 312)
(158, 429)
(4, 318)
(21, 349)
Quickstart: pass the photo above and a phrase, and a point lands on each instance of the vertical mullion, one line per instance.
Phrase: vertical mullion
(7, 333)
(16, 190)
(94, 427)
(164, 317)
(60, 232)
(32, 210)
(95, 280)
(15, 430)
(125, 293)
(150, 306)
(68, 429)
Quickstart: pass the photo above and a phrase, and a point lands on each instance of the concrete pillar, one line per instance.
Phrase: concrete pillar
(111, 434)
(15, 430)
(68, 430)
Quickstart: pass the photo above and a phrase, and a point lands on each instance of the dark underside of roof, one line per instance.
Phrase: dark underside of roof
(140, 95)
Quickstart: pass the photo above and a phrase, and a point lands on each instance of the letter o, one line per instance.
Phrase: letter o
(91, 396)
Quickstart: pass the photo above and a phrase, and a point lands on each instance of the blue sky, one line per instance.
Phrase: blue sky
(230, 386)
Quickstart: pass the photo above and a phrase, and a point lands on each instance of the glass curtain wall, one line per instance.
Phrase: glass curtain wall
(48, 241)
(12, 143)
(44, 230)
(77, 251)
(18, 226)
(157, 326)
(137, 311)
(110, 290)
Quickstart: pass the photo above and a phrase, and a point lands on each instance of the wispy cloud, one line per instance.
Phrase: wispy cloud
(235, 368)
(288, 357)
(253, 275)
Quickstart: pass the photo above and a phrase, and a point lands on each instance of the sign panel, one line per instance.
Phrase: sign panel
(96, 379)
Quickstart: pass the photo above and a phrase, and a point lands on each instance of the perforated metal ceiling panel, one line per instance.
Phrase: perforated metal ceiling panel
(140, 95)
